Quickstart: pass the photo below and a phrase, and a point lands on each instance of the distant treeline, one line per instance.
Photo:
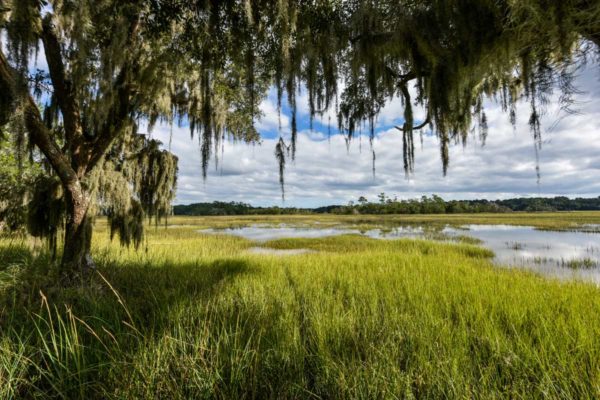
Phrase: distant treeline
(236, 208)
(437, 205)
(552, 204)
(386, 205)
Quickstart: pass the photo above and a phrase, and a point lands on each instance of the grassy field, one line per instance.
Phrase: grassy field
(192, 315)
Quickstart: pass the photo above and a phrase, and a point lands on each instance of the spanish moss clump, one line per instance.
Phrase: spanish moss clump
(46, 210)
(137, 180)
(153, 173)
(128, 225)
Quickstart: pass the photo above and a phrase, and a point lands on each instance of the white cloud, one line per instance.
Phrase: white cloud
(271, 119)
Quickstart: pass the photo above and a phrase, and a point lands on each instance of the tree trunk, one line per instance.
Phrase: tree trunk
(76, 259)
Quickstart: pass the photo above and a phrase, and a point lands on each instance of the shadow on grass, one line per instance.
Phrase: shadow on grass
(67, 342)
(142, 289)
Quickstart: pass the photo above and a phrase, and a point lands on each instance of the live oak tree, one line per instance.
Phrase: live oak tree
(110, 66)
(114, 65)
(94, 68)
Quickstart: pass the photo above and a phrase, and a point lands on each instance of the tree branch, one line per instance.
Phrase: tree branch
(403, 78)
(38, 133)
(103, 143)
(408, 108)
(63, 88)
(120, 109)
(422, 125)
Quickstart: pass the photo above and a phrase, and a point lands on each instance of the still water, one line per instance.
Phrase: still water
(559, 254)
(567, 255)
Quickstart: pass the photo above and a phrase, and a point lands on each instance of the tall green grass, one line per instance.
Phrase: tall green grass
(196, 316)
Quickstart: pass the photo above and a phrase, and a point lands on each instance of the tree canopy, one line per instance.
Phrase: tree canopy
(113, 66)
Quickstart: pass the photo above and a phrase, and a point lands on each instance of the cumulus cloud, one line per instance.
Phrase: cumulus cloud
(327, 172)
(271, 120)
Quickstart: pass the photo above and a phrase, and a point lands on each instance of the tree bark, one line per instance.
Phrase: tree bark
(76, 259)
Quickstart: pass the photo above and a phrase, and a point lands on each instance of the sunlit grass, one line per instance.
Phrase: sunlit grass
(191, 315)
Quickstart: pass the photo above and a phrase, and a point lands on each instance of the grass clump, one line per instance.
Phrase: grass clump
(195, 316)
(584, 263)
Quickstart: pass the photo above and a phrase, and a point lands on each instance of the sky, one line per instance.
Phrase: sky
(326, 172)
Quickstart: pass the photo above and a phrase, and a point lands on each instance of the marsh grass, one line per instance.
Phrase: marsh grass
(584, 221)
(515, 245)
(196, 316)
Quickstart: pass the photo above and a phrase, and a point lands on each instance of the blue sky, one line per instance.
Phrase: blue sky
(325, 172)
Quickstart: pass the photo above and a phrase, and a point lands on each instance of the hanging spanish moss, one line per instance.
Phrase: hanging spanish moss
(280, 153)
(373, 163)
(18, 178)
(154, 177)
(136, 182)
(128, 225)
(454, 55)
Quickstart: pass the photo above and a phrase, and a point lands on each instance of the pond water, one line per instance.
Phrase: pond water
(263, 233)
(566, 255)
(555, 253)
(278, 252)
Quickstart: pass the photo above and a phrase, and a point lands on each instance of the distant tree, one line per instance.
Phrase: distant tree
(539, 205)
(362, 200)
(439, 205)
